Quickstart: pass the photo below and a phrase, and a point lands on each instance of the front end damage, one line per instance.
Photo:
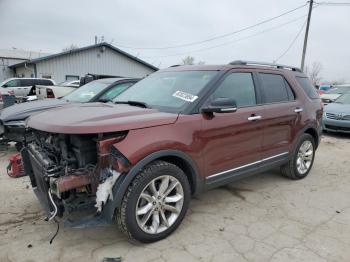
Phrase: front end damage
(73, 174)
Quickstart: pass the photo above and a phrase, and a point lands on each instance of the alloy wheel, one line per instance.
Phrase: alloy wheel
(159, 204)
(305, 157)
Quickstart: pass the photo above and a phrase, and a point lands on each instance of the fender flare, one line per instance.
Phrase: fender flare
(123, 182)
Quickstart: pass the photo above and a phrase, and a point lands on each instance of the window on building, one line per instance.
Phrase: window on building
(72, 77)
(275, 88)
(240, 87)
(47, 76)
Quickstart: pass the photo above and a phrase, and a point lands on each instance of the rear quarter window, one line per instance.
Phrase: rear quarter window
(309, 89)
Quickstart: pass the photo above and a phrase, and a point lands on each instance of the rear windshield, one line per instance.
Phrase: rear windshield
(309, 89)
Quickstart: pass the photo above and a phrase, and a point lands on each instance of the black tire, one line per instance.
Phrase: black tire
(19, 146)
(290, 170)
(125, 215)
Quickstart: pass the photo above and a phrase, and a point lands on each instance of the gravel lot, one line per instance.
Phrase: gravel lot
(262, 218)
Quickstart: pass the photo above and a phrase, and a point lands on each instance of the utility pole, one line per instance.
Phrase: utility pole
(306, 34)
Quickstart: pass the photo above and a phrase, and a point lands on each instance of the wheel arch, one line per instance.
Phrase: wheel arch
(313, 132)
(176, 157)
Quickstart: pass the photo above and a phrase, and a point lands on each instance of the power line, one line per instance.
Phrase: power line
(334, 3)
(216, 37)
(292, 43)
(229, 42)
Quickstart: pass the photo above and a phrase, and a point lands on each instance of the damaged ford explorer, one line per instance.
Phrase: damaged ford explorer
(178, 132)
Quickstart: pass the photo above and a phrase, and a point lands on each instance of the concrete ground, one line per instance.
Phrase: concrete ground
(262, 218)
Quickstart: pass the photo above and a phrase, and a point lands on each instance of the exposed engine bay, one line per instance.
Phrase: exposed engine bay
(73, 172)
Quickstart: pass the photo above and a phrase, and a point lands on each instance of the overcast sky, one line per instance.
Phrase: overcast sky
(50, 26)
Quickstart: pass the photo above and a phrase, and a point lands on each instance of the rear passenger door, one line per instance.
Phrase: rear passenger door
(280, 118)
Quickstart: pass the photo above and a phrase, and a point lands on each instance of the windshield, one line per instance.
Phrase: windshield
(344, 99)
(86, 92)
(339, 90)
(168, 91)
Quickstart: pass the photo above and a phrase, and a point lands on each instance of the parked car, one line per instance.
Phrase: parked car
(336, 117)
(324, 88)
(12, 119)
(334, 93)
(176, 133)
(21, 86)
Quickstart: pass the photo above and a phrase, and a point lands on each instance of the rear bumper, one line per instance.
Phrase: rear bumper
(332, 125)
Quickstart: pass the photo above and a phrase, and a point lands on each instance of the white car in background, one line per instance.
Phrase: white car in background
(21, 87)
(62, 89)
(332, 94)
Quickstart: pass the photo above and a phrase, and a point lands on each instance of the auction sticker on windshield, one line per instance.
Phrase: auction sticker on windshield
(185, 96)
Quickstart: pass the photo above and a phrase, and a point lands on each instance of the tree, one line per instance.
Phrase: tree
(313, 72)
(189, 60)
(70, 48)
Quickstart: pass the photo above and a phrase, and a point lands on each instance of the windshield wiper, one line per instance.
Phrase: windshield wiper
(133, 103)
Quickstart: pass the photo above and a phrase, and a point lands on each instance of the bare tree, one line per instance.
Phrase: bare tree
(70, 47)
(313, 72)
(190, 60)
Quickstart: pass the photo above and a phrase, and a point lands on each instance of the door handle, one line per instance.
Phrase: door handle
(298, 110)
(254, 118)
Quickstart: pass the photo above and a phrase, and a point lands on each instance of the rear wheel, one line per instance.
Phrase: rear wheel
(155, 203)
(302, 158)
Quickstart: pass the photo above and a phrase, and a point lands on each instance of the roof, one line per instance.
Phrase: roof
(39, 59)
(230, 66)
(21, 54)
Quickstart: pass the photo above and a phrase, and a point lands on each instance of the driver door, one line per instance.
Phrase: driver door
(233, 140)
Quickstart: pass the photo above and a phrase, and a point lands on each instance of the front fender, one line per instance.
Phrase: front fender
(123, 182)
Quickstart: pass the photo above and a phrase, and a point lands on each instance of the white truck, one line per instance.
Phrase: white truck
(62, 89)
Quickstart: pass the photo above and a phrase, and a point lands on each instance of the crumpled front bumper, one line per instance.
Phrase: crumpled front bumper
(36, 170)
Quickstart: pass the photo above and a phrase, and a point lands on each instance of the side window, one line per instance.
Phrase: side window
(309, 89)
(27, 82)
(115, 91)
(12, 83)
(289, 91)
(275, 88)
(240, 87)
(46, 82)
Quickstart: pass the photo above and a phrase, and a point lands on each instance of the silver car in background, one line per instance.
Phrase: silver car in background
(336, 116)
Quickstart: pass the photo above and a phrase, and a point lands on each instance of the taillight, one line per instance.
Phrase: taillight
(49, 93)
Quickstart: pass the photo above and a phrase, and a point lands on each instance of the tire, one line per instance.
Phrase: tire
(130, 222)
(291, 170)
(19, 146)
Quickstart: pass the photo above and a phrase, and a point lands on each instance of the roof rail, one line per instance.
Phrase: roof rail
(174, 66)
(279, 66)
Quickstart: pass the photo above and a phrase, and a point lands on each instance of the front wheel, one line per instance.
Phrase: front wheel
(155, 202)
(302, 158)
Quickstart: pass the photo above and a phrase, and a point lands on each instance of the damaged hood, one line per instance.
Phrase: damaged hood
(95, 118)
(23, 110)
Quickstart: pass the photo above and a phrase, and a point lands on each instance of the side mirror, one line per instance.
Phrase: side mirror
(221, 105)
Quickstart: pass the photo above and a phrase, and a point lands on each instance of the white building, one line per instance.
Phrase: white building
(14, 56)
(103, 59)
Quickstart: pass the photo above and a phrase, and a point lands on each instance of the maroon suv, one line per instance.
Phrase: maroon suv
(178, 132)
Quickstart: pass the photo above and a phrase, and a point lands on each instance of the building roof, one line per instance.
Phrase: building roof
(21, 54)
(39, 59)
